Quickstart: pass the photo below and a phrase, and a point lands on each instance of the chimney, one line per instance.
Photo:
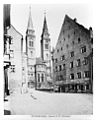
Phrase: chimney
(75, 20)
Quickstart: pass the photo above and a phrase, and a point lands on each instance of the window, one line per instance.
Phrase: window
(46, 55)
(64, 39)
(68, 36)
(30, 37)
(22, 68)
(79, 75)
(31, 74)
(86, 74)
(56, 60)
(60, 67)
(71, 76)
(38, 77)
(11, 53)
(67, 45)
(60, 77)
(12, 67)
(63, 31)
(31, 53)
(11, 39)
(47, 41)
(46, 46)
(79, 40)
(63, 66)
(83, 49)
(85, 61)
(56, 68)
(63, 57)
(31, 43)
(72, 54)
(73, 42)
(42, 77)
(87, 87)
(71, 64)
(61, 48)
(78, 62)
(57, 50)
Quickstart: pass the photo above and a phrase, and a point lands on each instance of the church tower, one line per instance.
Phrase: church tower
(30, 50)
(46, 47)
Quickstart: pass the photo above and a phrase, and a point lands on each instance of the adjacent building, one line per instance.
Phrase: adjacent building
(73, 58)
(15, 69)
(6, 43)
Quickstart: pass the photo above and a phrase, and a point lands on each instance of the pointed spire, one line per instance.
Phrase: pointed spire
(45, 28)
(30, 24)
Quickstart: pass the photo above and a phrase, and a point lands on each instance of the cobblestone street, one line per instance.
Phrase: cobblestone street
(38, 103)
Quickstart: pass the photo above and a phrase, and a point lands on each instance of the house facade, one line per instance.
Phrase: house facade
(6, 43)
(15, 68)
(71, 64)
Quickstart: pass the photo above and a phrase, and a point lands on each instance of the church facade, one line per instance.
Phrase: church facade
(43, 64)
(38, 69)
(29, 58)
(46, 48)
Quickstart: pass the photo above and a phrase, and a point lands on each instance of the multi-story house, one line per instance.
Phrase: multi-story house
(15, 70)
(72, 65)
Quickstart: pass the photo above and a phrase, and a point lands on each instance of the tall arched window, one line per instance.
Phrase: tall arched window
(42, 77)
(38, 77)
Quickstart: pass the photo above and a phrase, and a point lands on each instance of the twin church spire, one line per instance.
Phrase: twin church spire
(30, 23)
(45, 27)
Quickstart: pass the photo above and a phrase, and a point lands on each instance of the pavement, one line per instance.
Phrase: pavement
(38, 103)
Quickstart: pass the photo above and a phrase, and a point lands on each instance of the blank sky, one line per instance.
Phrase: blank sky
(55, 14)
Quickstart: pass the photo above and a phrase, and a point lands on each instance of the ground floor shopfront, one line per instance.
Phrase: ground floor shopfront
(73, 88)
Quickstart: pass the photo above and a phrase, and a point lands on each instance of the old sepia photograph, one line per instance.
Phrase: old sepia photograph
(48, 60)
